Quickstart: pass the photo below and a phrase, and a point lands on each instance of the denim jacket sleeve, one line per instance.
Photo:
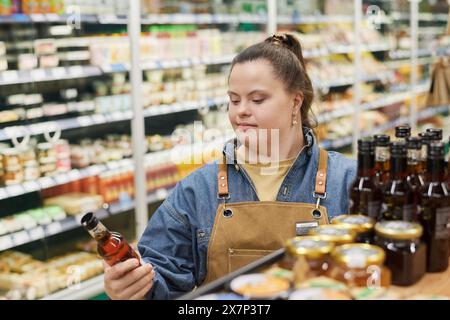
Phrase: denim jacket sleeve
(167, 245)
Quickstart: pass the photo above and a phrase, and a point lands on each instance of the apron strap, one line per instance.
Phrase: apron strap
(321, 176)
(222, 179)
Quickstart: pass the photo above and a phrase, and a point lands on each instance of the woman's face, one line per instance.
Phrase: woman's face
(258, 101)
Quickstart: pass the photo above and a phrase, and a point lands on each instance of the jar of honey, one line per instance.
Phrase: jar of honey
(336, 234)
(360, 265)
(315, 251)
(361, 224)
(405, 253)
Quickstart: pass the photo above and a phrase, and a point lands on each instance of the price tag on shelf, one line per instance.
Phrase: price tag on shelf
(54, 228)
(117, 116)
(51, 17)
(161, 194)
(37, 17)
(84, 121)
(76, 71)
(46, 182)
(10, 76)
(3, 193)
(74, 175)
(111, 165)
(59, 72)
(15, 190)
(6, 242)
(31, 186)
(62, 178)
(98, 118)
(38, 74)
(21, 237)
(38, 128)
(37, 233)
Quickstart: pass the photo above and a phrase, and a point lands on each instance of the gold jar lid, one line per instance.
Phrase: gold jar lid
(357, 222)
(358, 255)
(334, 233)
(399, 229)
(310, 246)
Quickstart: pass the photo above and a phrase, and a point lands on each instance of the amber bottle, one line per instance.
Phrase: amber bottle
(365, 196)
(111, 246)
(382, 159)
(435, 204)
(398, 199)
(414, 177)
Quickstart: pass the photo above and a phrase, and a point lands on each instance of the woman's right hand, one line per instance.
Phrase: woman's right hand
(128, 280)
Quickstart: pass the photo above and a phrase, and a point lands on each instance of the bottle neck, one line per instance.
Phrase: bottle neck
(413, 162)
(99, 232)
(365, 164)
(398, 167)
(436, 169)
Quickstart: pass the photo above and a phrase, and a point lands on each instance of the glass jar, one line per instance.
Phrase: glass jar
(336, 234)
(360, 265)
(361, 224)
(405, 254)
(315, 251)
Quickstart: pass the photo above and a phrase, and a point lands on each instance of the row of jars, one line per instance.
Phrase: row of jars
(19, 164)
(359, 252)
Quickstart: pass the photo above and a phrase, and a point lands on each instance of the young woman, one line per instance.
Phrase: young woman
(242, 207)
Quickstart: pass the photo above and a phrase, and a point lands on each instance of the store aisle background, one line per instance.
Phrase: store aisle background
(64, 68)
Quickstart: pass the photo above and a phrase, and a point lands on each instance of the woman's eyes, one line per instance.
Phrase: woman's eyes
(258, 101)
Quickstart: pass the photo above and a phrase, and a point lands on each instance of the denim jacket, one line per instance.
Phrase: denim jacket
(176, 239)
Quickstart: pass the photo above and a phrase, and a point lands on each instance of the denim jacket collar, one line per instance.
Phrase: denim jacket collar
(309, 139)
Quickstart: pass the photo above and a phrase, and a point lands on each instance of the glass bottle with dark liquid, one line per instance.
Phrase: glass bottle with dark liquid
(398, 200)
(365, 196)
(111, 246)
(402, 133)
(382, 159)
(426, 139)
(414, 177)
(435, 214)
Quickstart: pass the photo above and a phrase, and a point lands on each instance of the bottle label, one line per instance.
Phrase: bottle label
(442, 230)
(414, 156)
(382, 154)
(98, 231)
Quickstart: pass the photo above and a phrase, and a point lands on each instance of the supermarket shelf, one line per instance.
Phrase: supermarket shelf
(176, 18)
(387, 100)
(72, 222)
(82, 291)
(442, 17)
(97, 119)
(146, 19)
(344, 49)
(422, 115)
(299, 19)
(347, 81)
(405, 53)
(11, 77)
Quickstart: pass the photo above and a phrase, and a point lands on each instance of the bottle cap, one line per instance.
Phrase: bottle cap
(382, 140)
(366, 144)
(403, 131)
(89, 221)
(436, 133)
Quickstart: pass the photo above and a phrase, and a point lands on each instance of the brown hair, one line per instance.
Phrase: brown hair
(284, 52)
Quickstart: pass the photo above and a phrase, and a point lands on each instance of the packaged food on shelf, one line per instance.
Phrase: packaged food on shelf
(76, 203)
(23, 277)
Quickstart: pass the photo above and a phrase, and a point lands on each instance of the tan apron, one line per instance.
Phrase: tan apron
(246, 231)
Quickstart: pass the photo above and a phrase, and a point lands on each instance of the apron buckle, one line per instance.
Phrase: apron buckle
(319, 197)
